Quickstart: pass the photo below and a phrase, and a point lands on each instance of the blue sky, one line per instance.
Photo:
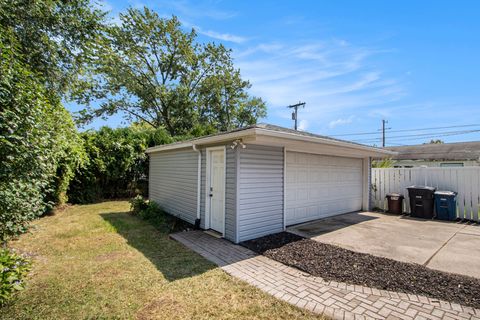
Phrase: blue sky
(414, 63)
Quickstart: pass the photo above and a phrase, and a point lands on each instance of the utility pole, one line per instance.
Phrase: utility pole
(295, 113)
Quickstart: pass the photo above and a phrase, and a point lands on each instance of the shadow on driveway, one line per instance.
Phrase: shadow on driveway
(331, 224)
(171, 258)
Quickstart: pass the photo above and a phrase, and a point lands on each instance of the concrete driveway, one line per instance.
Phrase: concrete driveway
(447, 246)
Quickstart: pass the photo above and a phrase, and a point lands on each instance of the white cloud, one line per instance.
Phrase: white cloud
(221, 36)
(196, 9)
(303, 125)
(334, 78)
(340, 122)
(214, 34)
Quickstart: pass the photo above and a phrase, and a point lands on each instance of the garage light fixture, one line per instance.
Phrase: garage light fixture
(236, 143)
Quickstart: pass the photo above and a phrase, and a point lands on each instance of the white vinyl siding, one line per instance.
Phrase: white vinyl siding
(260, 193)
(173, 182)
(318, 186)
(230, 194)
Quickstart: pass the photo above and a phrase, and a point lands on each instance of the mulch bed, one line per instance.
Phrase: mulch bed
(334, 263)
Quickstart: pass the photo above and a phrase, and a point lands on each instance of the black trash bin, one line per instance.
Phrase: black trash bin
(446, 205)
(395, 203)
(421, 201)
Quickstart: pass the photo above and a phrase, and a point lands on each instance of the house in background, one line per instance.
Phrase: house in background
(255, 181)
(461, 154)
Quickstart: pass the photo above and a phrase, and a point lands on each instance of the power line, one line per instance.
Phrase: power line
(434, 128)
(406, 130)
(354, 134)
(427, 134)
(420, 136)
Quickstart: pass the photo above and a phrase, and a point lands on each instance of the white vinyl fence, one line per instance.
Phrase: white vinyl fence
(465, 181)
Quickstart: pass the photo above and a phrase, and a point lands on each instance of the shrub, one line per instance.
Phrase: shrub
(151, 211)
(145, 209)
(138, 205)
(13, 268)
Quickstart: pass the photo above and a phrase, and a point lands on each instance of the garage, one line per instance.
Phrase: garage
(319, 186)
(255, 181)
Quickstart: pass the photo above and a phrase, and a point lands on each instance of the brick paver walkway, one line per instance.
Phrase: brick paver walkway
(334, 299)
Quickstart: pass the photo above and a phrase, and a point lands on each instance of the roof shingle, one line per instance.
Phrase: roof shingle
(439, 152)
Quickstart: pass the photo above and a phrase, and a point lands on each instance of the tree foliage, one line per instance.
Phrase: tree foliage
(384, 163)
(44, 46)
(39, 147)
(149, 69)
(55, 38)
(117, 166)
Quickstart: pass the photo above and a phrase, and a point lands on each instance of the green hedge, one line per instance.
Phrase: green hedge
(39, 145)
(117, 166)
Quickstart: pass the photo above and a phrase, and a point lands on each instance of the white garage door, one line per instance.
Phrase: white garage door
(319, 186)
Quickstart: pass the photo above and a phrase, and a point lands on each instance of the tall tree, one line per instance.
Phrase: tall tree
(55, 38)
(150, 70)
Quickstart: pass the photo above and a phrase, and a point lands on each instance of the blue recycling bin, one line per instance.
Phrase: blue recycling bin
(446, 205)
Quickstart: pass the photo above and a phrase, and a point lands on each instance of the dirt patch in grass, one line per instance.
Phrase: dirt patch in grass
(334, 263)
(154, 306)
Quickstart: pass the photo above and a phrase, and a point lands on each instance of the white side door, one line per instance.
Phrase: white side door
(216, 190)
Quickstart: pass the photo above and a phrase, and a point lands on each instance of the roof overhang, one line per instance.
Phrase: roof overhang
(229, 136)
(257, 135)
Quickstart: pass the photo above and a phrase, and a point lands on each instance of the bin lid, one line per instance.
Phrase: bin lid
(422, 188)
(394, 195)
(446, 193)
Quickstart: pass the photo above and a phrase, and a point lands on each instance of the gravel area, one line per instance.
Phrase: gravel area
(334, 263)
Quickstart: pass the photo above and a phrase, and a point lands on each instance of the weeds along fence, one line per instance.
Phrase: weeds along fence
(465, 181)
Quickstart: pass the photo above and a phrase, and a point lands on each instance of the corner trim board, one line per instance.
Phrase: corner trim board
(199, 179)
(284, 188)
(237, 194)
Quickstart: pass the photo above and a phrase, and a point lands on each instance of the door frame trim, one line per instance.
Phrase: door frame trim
(207, 184)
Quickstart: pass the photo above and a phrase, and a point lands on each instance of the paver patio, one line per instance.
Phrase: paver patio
(334, 299)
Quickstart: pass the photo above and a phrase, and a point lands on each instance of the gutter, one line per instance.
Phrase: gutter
(199, 184)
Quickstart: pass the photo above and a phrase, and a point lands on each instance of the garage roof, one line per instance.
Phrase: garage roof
(263, 129)
(439, 152)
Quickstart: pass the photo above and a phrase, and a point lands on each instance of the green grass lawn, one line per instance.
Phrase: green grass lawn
(97, 261)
